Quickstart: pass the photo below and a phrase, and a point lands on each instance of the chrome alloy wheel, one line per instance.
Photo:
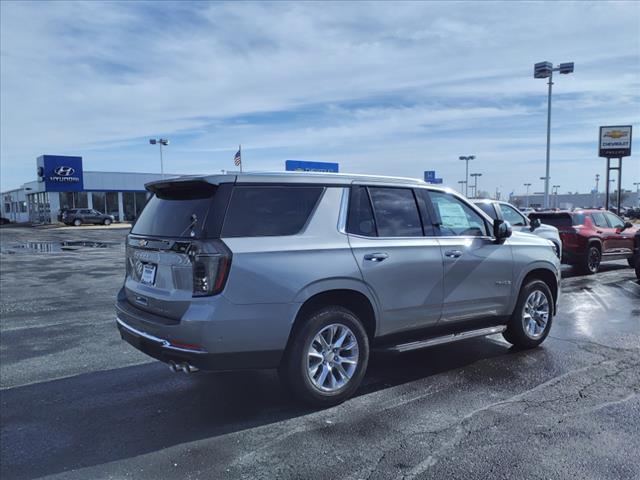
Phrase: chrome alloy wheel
(535, 314)
(332, 357)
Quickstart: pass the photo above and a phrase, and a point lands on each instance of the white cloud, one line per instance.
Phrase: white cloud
(361, 82)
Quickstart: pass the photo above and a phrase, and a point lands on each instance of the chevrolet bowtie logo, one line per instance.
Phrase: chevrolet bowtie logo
(616, 134)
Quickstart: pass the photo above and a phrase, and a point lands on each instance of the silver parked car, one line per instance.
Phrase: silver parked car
(309, 273)
(520, 222)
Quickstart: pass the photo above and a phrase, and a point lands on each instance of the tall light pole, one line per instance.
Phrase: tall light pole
(475, 183)
(461, 182)
(160, 142)
(527, 185)
(545, 70)
(466, 176)
(555, 192)
(637, 185)
(597, 181)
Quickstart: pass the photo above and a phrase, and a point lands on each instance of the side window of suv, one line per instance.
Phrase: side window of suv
(455, 217)
(257, 211)
(396, 212)
(512, 216)
(360, 220)
(614, 220)
(599, 220)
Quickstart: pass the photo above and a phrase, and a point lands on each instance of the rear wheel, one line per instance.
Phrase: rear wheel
(531, 320)
(327, 357)
(591, 262)
(77, 222)
(107, 221)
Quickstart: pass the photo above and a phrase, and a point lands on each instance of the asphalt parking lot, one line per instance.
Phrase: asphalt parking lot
(77, 402)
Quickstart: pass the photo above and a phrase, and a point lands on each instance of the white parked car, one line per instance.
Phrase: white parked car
(519, 221)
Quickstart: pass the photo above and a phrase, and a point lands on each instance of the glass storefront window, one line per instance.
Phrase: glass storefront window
(66, 200)
(99, 201)
(129, 201)
(141, 201)
(80, 200)
(111, 204)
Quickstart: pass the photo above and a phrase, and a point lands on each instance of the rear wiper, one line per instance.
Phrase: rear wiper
(194, 222)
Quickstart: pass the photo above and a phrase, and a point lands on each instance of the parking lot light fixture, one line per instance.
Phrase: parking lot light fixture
(461, 183)
(475, 184)
(527, 185)
(160, 142)
(466, 177)
(545, 70)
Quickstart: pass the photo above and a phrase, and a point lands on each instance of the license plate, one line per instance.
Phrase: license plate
(148, 274)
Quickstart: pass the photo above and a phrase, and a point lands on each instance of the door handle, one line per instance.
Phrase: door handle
(453, 253)
(376, 257)
(598, 231)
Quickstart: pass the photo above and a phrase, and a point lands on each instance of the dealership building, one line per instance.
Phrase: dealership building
(62, 183)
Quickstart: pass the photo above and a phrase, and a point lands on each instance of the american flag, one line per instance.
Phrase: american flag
(237, 159)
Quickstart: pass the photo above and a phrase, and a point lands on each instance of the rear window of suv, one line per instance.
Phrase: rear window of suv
(257, 211)
(176, 211)
(559, 220)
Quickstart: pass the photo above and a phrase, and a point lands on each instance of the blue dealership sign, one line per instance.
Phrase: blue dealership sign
(305, 166)
(430, 177)
(60, 173)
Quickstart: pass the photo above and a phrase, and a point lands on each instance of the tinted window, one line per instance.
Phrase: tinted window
(360, 220)
(614, 220)
(558, 220)
(488, 209)
(269, 211)
(599, 220)
(456, 217)
(164, 217)
(396, 212)
(512, 216)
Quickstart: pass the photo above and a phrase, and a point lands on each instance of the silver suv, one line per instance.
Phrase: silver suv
(309, 273)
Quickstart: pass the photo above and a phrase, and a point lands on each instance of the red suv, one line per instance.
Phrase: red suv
(591, 236)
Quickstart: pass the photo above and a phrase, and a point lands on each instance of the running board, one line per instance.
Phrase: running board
(432, 342)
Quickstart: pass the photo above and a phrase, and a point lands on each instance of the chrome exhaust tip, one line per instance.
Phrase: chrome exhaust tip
(186, 368)
(174, 367)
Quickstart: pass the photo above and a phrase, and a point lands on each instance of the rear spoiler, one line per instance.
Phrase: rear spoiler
(188, 183)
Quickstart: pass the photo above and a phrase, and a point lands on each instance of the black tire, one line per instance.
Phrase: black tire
(632, 261)
(638, 268)
(516, 332)
(77, 222)
(591, 262)
(294, 368)
(107, 222)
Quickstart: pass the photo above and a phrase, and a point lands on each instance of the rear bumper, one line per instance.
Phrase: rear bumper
(161, 349)
(216, 335)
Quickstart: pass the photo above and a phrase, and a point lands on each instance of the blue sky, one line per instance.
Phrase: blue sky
(384, 88)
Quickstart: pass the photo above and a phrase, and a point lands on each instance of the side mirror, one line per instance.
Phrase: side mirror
(501, 230)
(535, 223)
(627, 225)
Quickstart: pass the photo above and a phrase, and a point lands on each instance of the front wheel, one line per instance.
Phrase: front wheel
(327, 357)
(77, 222)
(531, 320)
(107, 221)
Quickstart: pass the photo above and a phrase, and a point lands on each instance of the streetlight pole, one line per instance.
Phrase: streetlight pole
(160, 142)
(475, 184)
(461, 182)
(555, 192)
(466, 177)
(637, 185)
(527, 185)
(545, 70)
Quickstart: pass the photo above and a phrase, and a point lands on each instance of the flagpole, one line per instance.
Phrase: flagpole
(240, 150)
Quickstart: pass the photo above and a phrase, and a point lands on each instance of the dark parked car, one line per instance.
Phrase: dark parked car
(78, 216)
(591, 236)
(4, 221)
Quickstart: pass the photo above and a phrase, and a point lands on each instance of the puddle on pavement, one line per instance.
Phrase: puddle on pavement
(53, 247)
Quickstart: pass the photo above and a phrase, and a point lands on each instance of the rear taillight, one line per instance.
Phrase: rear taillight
(211, 262)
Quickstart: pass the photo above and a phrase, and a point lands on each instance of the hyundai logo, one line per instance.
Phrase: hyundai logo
(62, 171)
